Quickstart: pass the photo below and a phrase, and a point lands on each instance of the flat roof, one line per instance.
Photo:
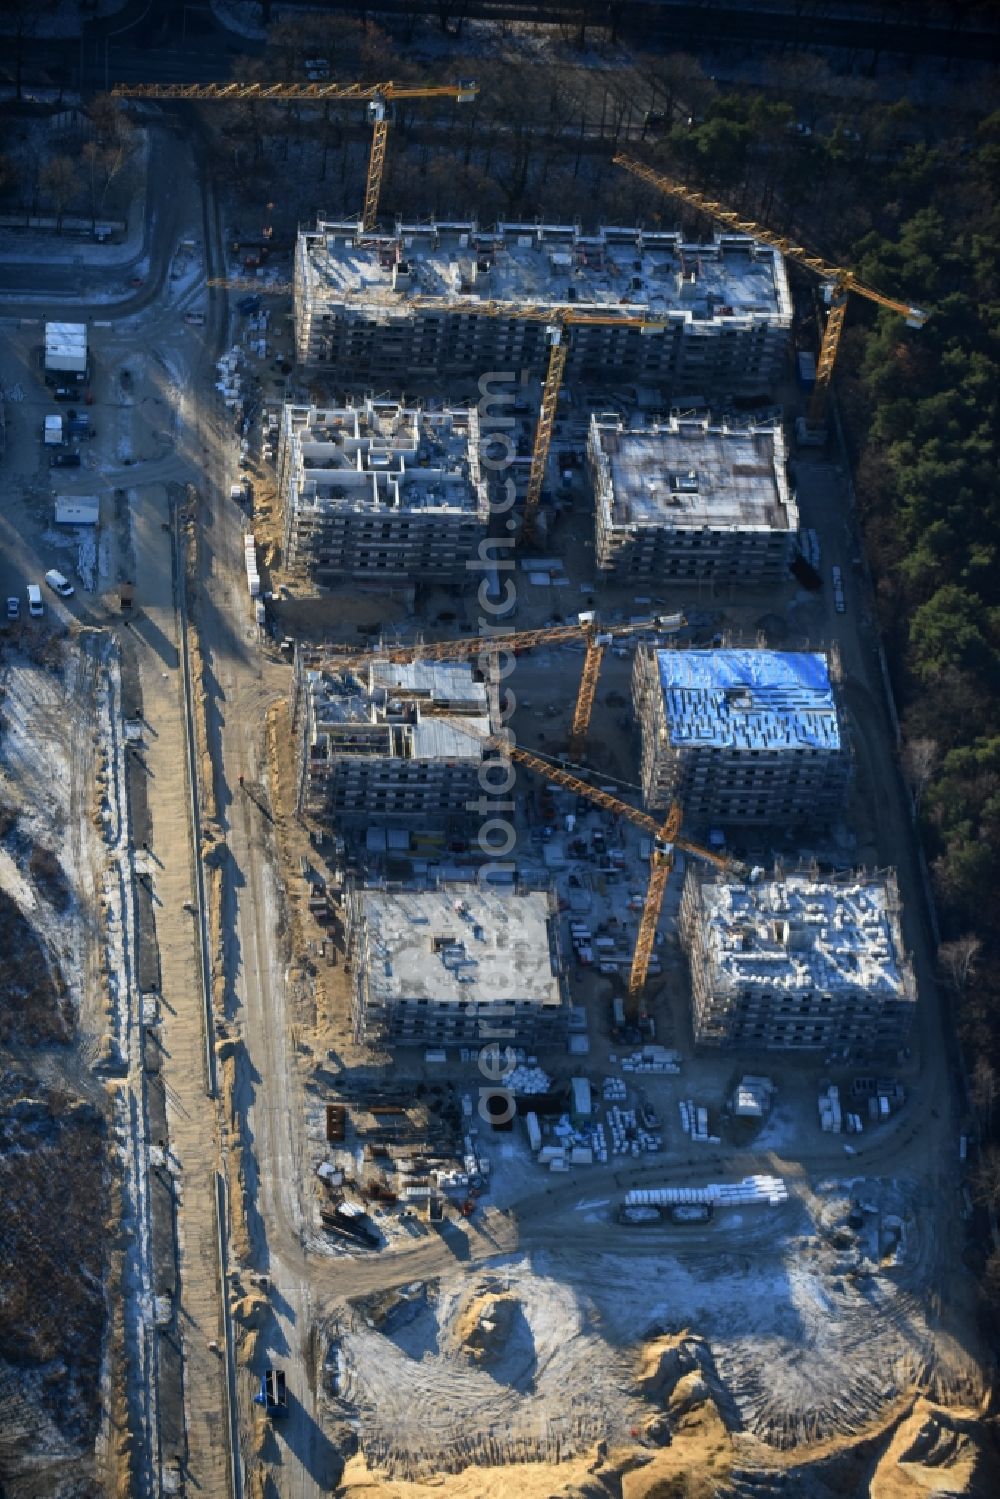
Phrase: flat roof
(384, 456)
(77, 510)
(388, 704)
(66, 338)
(749, 699)
(628, 270)
(460, 946)
(801, 933)
(688, 474)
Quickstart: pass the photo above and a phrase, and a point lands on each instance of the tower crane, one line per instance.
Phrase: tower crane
(559, 319)
(839, 280)
(596, 637)
(248, 284)
(661, 862)
(378, 96)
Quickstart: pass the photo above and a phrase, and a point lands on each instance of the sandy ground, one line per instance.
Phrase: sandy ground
(191, 1116)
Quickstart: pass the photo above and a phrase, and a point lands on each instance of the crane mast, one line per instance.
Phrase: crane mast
(839, 279)
(378, 96)
(559, 319)
(596, 639)
(665, 840)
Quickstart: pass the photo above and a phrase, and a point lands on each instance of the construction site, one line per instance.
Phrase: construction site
(447, 300)
(466, 940)
(689, 502)
(380, 744)
(456, 965)
(741, 736)
(382, 491)
(798, 962)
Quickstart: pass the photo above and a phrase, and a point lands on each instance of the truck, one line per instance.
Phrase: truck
(65, 352)
(690, 1212)
(272, 1395)
(639, 1216)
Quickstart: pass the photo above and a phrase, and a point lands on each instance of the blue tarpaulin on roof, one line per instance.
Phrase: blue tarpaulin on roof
(749, 699)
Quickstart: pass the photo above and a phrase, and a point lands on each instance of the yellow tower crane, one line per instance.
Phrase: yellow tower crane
(586, 627)
(378, 96)
(665, 840)
(558, 319)
(839, 280)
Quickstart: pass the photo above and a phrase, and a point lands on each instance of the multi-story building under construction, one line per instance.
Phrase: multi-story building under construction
(741, 736)
(380, 744)
(797, 962)
(365, 304)
(687, 500)
(382, 491)
(458, 964)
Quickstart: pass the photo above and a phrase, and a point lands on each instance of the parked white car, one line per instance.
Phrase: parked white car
(60, 585)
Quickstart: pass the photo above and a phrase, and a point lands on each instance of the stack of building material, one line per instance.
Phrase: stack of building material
(653, 1059)
(628, 1136)
(528, 1080)
(250, 555)
(829, 1110)
(694, 1122)
(752, 1189)
(752, 1098)
(229, 385)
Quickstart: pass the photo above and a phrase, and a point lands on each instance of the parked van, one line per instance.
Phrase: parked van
(35, 605)
(60, 585)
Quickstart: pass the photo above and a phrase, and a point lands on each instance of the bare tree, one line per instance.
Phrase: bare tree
(678, 84)
(8, 172)
(92, 154)
(920, 759)
(23, 17)
(983, 1092)
(59, 183)
(958, 959)
(449, 10)
(108, 118)
(986, 1178)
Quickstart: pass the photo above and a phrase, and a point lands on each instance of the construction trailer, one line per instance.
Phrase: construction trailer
(78, 510)
(798, 962)
(377, 745)
(691, 501)
(429, 299)
(382, 492)
(456, 965)
(65, 353)
(742, 736)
